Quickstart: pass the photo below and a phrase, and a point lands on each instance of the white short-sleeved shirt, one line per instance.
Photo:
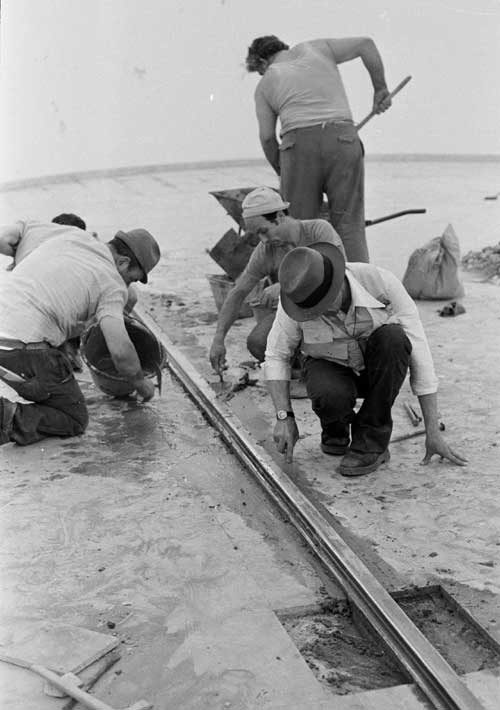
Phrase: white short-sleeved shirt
(58, 287)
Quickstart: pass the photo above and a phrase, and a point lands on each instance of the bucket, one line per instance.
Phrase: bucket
(221, 285)
(98, 359)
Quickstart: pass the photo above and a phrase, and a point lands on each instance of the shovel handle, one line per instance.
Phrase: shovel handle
(70, 689)
(391, 95)
(369, 222)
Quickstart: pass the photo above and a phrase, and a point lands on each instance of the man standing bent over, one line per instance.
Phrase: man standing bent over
(47, 299)
(320, 150)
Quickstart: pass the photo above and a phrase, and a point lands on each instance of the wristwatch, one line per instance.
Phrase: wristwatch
(282, 414)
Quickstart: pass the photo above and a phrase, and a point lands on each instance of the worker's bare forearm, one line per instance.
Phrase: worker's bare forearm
(128, 365)
(280, 394)
(270, 146)
(229, 313)
(370, 56)
(429, 407)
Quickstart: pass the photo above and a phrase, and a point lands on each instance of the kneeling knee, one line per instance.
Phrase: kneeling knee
(256, 348)
(391, 338)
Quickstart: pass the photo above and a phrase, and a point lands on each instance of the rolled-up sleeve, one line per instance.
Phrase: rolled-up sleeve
(282, 342)
(423, 379)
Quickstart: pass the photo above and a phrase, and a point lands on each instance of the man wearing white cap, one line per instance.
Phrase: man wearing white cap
(359, 332)
(46, 300)
(266, 216)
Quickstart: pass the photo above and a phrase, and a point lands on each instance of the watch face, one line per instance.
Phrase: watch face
(281, 414)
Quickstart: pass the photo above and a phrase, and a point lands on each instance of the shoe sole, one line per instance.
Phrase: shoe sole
(349, 472)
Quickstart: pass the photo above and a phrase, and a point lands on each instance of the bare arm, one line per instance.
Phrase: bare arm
(228, 314)
(10, 236)
(267, 119)
(286, 432)
(346, 49)
(124, 355)
(434, 441)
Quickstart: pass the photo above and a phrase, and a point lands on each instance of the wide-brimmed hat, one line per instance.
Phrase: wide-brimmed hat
(144, 247)
(310, 280)
(262, 200)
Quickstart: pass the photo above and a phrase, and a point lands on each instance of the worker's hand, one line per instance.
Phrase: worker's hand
(381, 100)
(285, 437)
(270, 296)
(436, 444)
(9, 240)
(146, 390)
(218, 356)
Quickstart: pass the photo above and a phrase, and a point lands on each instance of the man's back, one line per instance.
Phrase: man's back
(56, 288)
(34, 234)
(304, 87)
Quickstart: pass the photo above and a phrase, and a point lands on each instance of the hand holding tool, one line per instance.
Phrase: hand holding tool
(391, 95)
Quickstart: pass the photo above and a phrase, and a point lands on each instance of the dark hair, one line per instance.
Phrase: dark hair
(271, 216)
(261, 49)
(124, 250)
(73, 220)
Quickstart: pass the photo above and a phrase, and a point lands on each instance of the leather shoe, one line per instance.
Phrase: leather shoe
(355, 463)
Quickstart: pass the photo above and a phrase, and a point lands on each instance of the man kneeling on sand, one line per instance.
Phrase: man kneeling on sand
(359, 332)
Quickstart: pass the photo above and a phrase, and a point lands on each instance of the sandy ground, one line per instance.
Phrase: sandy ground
(94, 525)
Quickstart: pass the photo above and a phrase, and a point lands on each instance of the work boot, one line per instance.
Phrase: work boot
(358, 464)
(7, 411)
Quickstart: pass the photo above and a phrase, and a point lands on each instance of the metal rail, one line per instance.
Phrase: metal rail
(428, 669)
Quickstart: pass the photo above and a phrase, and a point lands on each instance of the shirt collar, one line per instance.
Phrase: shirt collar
(360, 298)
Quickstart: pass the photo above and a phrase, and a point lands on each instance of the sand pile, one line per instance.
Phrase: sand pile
(486, 262)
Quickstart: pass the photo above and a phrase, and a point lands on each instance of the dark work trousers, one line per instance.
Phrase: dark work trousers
(333, 390)
(58, 407)
(327, 158)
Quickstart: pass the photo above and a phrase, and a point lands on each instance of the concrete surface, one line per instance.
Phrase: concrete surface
(147, 522)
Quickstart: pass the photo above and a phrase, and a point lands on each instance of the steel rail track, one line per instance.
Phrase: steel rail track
(428, 669)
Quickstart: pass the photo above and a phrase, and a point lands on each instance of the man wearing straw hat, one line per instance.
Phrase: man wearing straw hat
(266, 216)
(360, 332)
(49, 296)
(320, 151)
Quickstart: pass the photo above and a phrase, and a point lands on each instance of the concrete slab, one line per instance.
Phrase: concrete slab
(147, 525)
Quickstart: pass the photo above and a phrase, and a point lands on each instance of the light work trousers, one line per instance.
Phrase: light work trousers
(327, 158)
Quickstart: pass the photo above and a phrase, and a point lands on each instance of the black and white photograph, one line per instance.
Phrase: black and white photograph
(249, 355)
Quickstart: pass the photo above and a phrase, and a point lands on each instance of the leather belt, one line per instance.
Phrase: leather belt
(19, 345)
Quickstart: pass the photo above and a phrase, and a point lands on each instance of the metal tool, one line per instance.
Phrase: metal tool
(9, 376)
(415, 417)
(69, 683)
(369, 222)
